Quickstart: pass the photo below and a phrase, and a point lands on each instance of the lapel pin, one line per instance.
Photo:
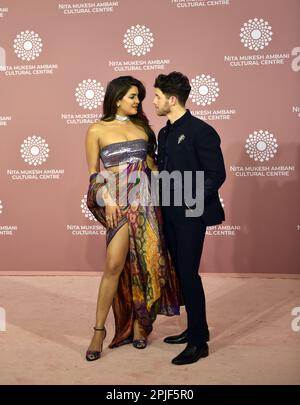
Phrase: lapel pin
(180, 139)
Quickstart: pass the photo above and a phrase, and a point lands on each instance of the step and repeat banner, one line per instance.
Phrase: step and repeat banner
(243, 61)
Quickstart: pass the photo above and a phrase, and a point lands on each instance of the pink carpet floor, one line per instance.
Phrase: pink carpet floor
(49, 323)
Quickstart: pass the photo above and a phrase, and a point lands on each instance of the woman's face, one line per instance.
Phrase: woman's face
(128, 105)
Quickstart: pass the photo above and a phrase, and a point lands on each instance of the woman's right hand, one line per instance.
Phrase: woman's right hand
(112, 213)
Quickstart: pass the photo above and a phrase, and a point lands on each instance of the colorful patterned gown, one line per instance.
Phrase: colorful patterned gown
(148, 284)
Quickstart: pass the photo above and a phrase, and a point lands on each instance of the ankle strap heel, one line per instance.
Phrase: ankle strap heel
(92, 355)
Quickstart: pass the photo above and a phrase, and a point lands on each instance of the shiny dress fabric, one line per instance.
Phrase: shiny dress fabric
(123, 152)
(148, 284)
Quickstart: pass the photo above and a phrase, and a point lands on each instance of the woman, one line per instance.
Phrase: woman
(138, 279)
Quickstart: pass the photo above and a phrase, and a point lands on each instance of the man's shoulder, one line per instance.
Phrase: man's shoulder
(197, 123)
(201, 131)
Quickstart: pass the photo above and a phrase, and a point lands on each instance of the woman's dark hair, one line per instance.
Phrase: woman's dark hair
(174, 84)
(115, 91)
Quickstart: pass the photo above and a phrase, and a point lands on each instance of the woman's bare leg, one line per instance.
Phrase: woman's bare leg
(116, 254)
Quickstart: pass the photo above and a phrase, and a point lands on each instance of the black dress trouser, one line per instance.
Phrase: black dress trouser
(185, 238)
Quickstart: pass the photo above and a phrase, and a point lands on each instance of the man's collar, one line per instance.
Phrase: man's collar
(179, 121)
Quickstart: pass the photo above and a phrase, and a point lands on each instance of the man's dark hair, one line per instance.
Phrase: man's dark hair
(174, 84)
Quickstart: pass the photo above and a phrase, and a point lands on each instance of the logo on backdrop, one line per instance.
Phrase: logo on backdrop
(88, 8)
(34, 150)
(6, 230)
(4, 120)
(256, 35)
(138, 40)
(223, 230)
(205, 3)
(3, 11)
(204, 92)
(89, 94)
(261, 146)
(84, 209)
(28, 45)
(295, 109)
(83, 230)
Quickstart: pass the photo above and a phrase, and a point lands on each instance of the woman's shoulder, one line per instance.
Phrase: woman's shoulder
(98, 125)
(96, 129)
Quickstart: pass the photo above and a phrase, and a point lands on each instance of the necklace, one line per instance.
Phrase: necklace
(121, 117)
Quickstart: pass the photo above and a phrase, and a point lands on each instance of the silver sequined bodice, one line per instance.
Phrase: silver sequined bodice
(123, 152)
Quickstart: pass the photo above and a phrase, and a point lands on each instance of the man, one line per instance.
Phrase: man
(189, 144)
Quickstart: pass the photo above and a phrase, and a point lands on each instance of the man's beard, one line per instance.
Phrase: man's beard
(164, 110)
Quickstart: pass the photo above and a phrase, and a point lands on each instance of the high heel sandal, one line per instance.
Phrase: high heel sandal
(92, 355)
(139, 343)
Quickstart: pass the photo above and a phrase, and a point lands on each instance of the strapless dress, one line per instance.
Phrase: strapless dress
(119, 153)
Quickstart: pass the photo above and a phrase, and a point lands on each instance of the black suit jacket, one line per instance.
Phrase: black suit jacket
(198, 150)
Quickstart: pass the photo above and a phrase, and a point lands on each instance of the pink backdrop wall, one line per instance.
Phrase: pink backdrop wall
(243, 58)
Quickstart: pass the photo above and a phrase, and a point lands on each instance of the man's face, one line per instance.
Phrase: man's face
(161, 103)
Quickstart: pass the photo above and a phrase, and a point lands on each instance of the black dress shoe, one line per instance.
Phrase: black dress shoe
(191, 354)
(177, 339)
(182, 338)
